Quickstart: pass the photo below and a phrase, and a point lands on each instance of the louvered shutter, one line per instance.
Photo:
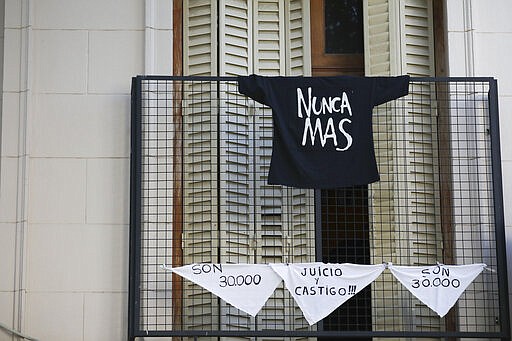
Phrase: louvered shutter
(255, 38)
(419, 157)
(270, 221)
(382, 194)
(420, 212)
(258, 223)
(200, 166)
(300, 201)
(236, 156)
(377, 38)
(199, 31)
(284, 216)
(301, 214)
(269, 59)
(298, 38)
(405, 204)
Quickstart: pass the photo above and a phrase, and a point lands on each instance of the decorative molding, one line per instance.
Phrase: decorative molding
(149, 35)
(22, 179)
(469, 50)
(156, 55)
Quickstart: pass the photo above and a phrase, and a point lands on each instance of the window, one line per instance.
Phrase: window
(337, 37)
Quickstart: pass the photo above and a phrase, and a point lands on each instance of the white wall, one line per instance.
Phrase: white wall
(64, 190)
(480, 44)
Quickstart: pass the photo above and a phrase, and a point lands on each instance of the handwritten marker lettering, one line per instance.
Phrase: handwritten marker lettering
(311, 109)
(198, 269)
(437, 286)
(244, 286)
(319, 288)
(435, 277)
(240, 280)
(322, 271)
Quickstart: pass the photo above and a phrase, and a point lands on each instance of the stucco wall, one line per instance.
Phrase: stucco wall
(64, 194)
(480, 44)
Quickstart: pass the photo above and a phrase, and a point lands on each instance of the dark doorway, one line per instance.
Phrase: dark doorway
(345, 239)
(338, 49)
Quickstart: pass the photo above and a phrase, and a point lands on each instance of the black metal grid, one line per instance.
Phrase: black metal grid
(200, 155)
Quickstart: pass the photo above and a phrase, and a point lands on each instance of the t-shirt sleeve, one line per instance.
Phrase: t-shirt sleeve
(253, 86)
(389, 88)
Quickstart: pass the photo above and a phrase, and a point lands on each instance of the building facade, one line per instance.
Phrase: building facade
(65, 123)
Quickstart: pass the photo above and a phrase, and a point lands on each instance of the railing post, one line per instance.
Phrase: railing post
(499, 220)
(135, 210)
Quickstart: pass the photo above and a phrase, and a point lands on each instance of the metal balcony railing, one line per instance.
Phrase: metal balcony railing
(200, 157)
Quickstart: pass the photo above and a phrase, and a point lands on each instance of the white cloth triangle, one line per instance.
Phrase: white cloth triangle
(244, 286)
(320, 288)
(438, 286)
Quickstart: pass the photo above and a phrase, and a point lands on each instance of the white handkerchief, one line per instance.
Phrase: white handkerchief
(320, 288)
(438, 286)
(244, 286)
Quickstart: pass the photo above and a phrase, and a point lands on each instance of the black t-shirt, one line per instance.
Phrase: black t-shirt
(323, 126)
